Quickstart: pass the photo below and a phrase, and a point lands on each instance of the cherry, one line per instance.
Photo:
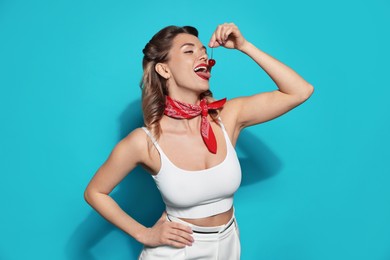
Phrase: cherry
(211, 62)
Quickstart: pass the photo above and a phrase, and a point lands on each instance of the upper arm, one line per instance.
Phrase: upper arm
(125, 156)
(262, 107)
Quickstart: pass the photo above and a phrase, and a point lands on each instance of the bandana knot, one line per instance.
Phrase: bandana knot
(205, 109)
(181, 110)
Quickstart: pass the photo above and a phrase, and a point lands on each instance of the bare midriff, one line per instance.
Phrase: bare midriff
(215, 220)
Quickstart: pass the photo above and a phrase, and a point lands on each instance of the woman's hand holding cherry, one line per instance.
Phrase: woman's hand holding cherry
(227, 35)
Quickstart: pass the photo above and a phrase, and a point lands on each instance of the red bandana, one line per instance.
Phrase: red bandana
(180, 110)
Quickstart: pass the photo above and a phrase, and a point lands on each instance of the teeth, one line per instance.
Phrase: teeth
(204, 68)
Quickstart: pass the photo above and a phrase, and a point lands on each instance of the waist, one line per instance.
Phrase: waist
(200, 211)
(211, 227)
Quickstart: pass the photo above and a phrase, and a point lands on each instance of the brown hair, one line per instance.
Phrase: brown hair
(153, 85)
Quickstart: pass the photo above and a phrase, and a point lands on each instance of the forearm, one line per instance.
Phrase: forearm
(111, 211)
(286, 79)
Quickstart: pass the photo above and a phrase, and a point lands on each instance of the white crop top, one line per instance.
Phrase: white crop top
(202, 193)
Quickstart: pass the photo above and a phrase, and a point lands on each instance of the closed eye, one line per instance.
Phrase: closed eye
(188, 52)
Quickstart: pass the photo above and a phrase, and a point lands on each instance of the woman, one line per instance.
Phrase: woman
(196, 171)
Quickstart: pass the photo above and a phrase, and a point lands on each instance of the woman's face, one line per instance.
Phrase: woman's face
(187, 64)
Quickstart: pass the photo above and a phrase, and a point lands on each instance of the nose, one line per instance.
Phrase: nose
(204, 56)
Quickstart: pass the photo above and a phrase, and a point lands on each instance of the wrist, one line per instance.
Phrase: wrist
(142, 235)
(245, 47)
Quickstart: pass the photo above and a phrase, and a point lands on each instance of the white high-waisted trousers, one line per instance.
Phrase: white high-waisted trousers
(210, 243)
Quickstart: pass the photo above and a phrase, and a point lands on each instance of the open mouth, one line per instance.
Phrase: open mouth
(202, 70)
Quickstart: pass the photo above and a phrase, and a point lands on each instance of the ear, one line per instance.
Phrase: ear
(163, 70)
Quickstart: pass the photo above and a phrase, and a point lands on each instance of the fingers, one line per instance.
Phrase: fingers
(173, 240)
(176, 234)
(181, 234)
(213, 43)
(175, 244)
(165, 232)
(181, 227)
(215, 40)
(222, 33)
(179, 238)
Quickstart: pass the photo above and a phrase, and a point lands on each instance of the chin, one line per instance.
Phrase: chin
(203, 89)
(205, 86)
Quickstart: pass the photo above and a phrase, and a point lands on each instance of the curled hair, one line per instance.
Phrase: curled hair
(153, 85)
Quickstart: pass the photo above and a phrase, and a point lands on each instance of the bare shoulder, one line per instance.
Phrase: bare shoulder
(125, 156)
(136, 147)
(128, 152)
(134, 144)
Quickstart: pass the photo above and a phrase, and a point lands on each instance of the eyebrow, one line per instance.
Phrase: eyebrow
(193, 45)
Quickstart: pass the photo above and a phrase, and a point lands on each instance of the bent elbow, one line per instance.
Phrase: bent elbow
(87, 196)
(309, 89)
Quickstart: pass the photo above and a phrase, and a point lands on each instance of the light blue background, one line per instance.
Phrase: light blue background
(316, 180)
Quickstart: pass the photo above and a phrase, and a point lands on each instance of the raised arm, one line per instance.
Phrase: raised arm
(129, 152)
(292, 88)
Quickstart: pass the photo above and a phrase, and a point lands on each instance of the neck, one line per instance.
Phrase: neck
(187, 100)
(187, 97)
(183, 125)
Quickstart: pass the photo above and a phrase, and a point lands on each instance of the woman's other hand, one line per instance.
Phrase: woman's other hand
(169, 233)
